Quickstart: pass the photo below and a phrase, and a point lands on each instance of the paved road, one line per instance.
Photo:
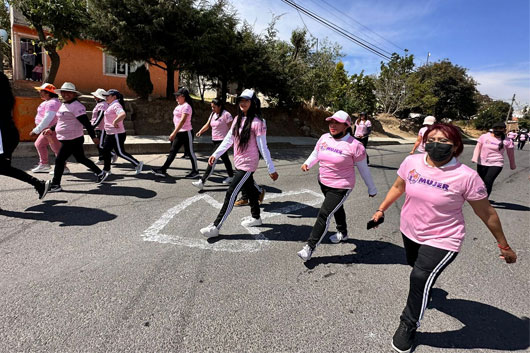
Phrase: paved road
(122, 268)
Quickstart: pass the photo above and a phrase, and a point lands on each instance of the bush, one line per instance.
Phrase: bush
(490, 114)
(140, 82)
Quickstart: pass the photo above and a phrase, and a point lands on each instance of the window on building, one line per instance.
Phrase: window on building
(119, 68)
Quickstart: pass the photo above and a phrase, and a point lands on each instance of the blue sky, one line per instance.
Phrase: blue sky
(488, 37)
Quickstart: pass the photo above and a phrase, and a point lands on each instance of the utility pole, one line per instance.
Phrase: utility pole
(428, 55)
(510, 110)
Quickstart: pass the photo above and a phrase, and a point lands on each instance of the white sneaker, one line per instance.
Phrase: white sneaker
(41, 168)
(251, 222)
(338, 237)
(210, 231)
(139, 168)
(227, 180)
(198, 184)
(114, 158)
(305, 253)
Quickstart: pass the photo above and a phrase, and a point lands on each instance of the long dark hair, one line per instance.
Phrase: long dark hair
(6, 93)
(188, 98)
(254, 111)
(119, 97)
(220, 104)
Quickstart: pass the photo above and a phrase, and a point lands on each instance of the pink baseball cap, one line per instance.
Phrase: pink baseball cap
(341, 116)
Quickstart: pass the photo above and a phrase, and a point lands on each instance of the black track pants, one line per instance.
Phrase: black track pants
(71, 147)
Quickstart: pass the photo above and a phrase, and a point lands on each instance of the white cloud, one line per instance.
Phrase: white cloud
(502, 84)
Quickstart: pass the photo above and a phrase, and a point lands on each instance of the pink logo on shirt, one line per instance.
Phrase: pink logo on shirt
(324, 147)
(415, 177)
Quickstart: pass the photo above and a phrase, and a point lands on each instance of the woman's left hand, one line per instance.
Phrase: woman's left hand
(274, 176)
(508, 255)
(211, 160)
(115, 123)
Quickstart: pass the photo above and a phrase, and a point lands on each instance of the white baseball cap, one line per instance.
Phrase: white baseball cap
(341, 116)
(247, 94)
(429, 120)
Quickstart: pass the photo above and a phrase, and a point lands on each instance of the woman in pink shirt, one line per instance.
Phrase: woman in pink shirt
(45, 118)
(363, 129)
(115, 131)
(248, 135)
(220, 120)
(489, 154)
(97, 122)
(71, 118)
(338, 153)
(182, 135)
(419, 145)
(436, 186)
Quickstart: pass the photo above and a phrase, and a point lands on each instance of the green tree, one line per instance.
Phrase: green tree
(5, 23)
(490, 114)
(140, 82)
(362, 93)
(64, 20)
(392, 85)
(445, 91)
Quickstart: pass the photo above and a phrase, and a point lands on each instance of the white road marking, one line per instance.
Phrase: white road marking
(154, 232)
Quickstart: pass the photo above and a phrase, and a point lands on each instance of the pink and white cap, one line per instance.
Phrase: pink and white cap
(341, 116)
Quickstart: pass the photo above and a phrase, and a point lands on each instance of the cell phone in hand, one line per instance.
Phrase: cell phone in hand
(373, 223)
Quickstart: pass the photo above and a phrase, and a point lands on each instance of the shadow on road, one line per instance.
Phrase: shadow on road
(510, 206)
(112, 189)
(382, 167)
(53, 211)
(485, 326)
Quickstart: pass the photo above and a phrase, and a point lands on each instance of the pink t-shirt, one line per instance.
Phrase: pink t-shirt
(361, 129)
(51, 105)
(487, 150)
(337, 160)
(421, 147)
(522, 137)
(512, 135)
(177, 115)
(220, 125)
(114, 109)
(101, 106)
(248, 159)
(432, 212)
(68, 127)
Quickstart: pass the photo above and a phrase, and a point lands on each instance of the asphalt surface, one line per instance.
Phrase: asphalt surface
(122, 267)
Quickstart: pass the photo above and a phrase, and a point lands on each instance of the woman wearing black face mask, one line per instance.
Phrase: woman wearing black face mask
(489, 154)
(432, 225)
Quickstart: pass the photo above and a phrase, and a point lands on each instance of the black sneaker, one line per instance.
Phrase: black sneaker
(403, 338)
(43, 188)
(55, 188)
(192, 175)
(159, 172)
(102, 176)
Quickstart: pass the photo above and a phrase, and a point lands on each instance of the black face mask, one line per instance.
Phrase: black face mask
(339, 135)
(498, 133)
(439, 152)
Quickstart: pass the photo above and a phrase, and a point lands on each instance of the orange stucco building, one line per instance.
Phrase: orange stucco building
(83, 62)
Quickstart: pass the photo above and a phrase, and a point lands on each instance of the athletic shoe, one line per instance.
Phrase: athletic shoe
(261, 196)
(305, 253)
(251, 222)
(241, 202)
(338, 237)
(41, 168)
(43, 188)
(65, 171)
(114, 158)
(139, 168)
(192, 175)
(198, 184)
(100, 162)
(227, 180)
(210, 231)
(55, 188)
(102, 176)
(403, 338)
(159, 172)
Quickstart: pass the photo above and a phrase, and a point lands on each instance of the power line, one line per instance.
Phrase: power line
(359, 41)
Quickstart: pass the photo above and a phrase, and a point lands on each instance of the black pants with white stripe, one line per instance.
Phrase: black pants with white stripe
(116, 142)
(71, 147)
(242, 181)
(100, 134)
(332, 206)
(226, 160)
(427, 264)
(183, 138)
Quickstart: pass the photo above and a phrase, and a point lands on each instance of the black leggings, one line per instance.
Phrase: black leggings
(427, 264)
(226, 160)
(332, 206)
(242, 180)
(116, 142)
(364, 141)
(68, 148)
(100, 134)
(488, 174)
(8, 170)
(183, 138)
(520, 145)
